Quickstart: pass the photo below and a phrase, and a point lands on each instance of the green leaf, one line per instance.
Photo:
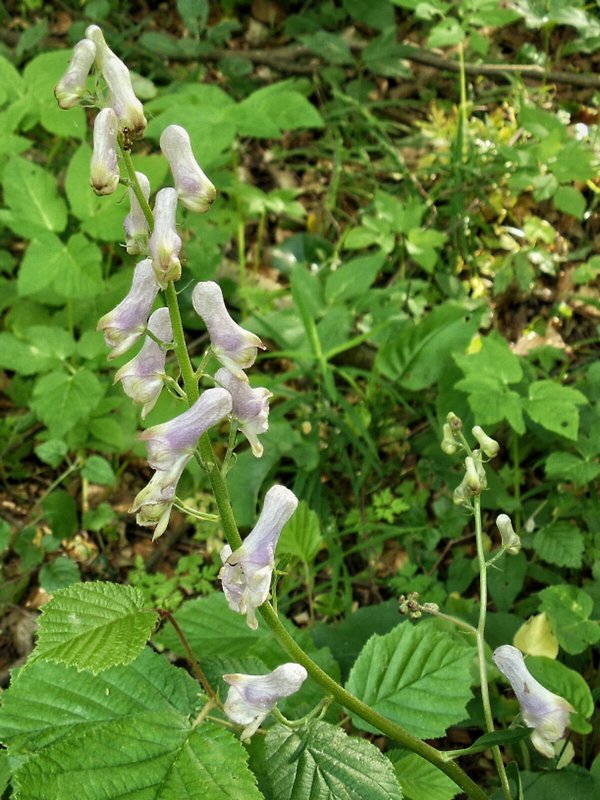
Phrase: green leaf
(570, 467)
(52, 451)
(570, 200)
(566, 683)
(415, 676)
(61, 400)
(353, 279)
(494, 359)
(38, 354)
(506, 578)
(301, 536)
(560, 543)
(73, 269)
(554, 407)
(98, 470)
(446, 33)
(94, 626)
(5, 771)
(422, 246)
(4, 535)
(269, 111)
(32, 196)
(568, 609)
(194, 13)
(330, 46)
(58, 574)
(419, 779)
(376, 13)
(41, 75)
(324, 763)
(60, 511)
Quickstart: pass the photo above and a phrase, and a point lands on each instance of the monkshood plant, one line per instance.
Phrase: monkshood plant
(95, 709)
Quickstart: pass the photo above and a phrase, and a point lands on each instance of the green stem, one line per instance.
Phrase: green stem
(485, 694)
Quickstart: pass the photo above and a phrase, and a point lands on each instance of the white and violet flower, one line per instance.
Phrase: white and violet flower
(127, 107)
(124, 325)
(165, 242)
(545, 712)
(250, 407)
(195, 190)
(135, 223)
(251, 698)
(143, 377)
(104, 167)
(510, 539)
(246, 573)
(231, 344)
(72, 86)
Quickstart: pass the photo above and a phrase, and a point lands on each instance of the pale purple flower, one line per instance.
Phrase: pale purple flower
(104, 168)
(195, 190)
(168, 441)
(545, 712)
(250, 407)
(251, 698)
(127, 107)
(127, 322)
(143, 376)
(231, 344)
(246, 573)
(135, 223)
(165, 243)
(73, 83)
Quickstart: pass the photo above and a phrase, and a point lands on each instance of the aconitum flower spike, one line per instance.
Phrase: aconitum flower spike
(127, 322)
(246, 573)
(143, 376)
(232, 345)
(165, 243)
(168, 441)
(510, 539)
(251, 698)
(135, 223)
(127, 107)
(104, 167)
(72, 85)
(250, 407)
(545, 712)
(195, 190)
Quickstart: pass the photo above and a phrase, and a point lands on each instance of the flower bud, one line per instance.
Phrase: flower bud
(545, 712)
(127, 322)
(127, 107)
(143, 376)
(489, 446)
(448, 444)
(454, 421)
(135, 223)
(195, 190)
(461, 495)
(510, 540)
(246, 573)
(165, 243)
(104, 168)
(473, 481)
(250, 407)
(72, 85)
(233, 346)
(252, 697)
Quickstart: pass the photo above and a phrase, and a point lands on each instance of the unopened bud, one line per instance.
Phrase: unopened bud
(431, 608)
(195, 190)
(104, 168)
(165, 243)
(448, 443)
(135, 223)
(454, 422)
(510, 540)
(72, 85)
(472, 476)
(489, 446)
(461, 495)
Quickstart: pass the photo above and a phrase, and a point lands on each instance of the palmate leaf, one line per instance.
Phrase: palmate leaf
(416, 676)
(94, 626)
(323, 763)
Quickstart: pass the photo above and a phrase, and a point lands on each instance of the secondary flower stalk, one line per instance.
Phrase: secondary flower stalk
(195, 190)
(72, 86)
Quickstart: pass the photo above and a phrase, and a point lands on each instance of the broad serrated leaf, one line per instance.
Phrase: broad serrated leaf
(560, 543)
(554, 407)
(301, 536)
(94, 626)
(416, 676)
(32, 196)
(419, 779)
(58, 574)
(46, 701)
(41, 76)
(98, 470)
(158, 756)
(323, 763)
(273, 109)
(572, 468)
(568, 609)
(566, 683)
(72, 269)
(61, 399)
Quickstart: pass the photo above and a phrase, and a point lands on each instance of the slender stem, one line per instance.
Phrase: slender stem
(137, 189)
(485, 694)
(196, 668)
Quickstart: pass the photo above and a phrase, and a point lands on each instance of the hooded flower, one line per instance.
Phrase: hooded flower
(142, 377)
(135, 223)
(165, 243)
(195, 191)
(104, 168)
(252, 697)
(246, 574)
(170, 447)
(488, 445)
(127, 322)
(127, 107)
(510, 538)
(250, 407)
(545, 712)
(72, 85)
(233, 346)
